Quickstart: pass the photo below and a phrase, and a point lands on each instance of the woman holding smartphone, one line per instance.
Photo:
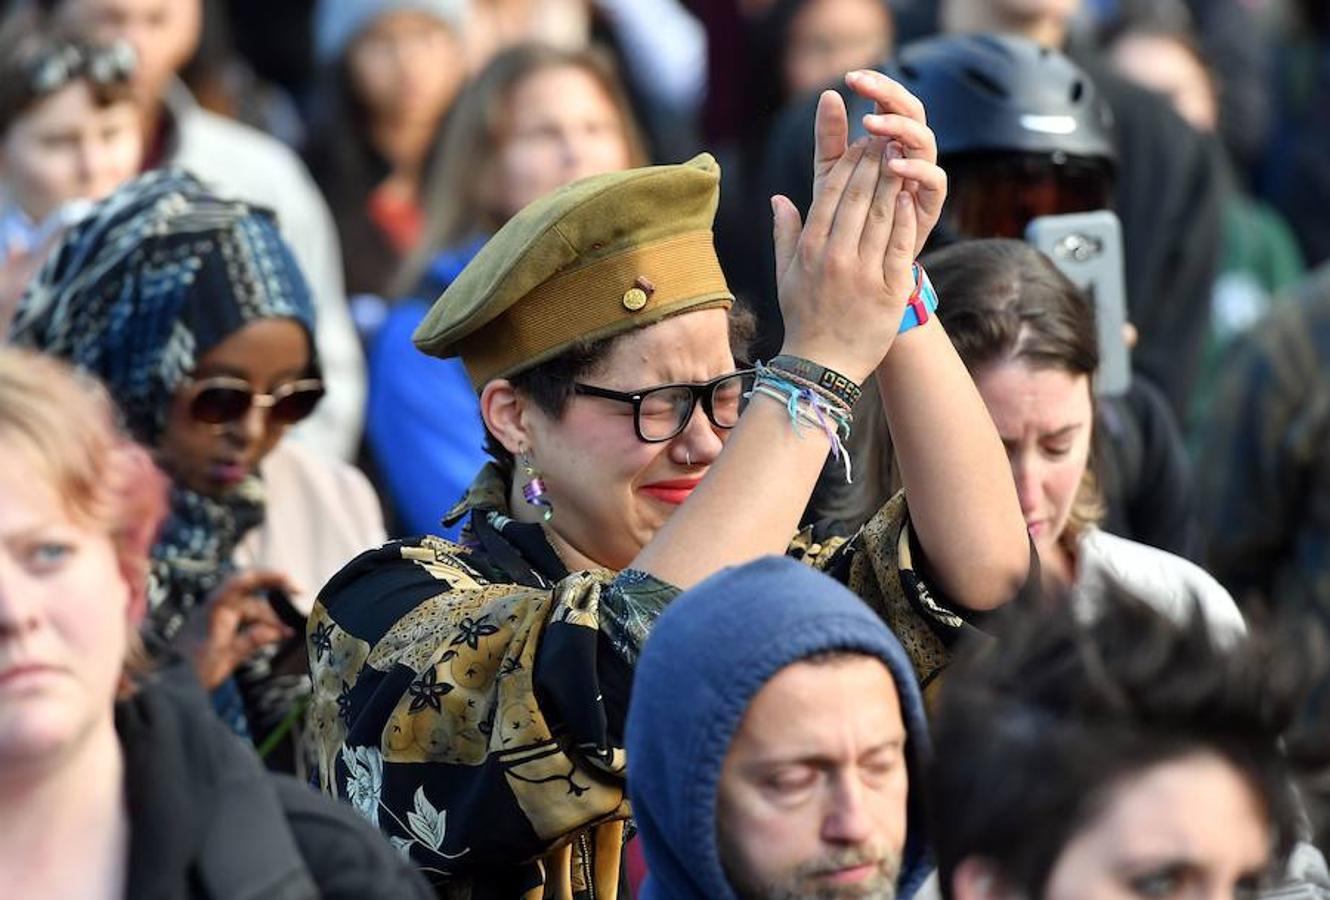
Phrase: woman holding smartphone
(195, 313)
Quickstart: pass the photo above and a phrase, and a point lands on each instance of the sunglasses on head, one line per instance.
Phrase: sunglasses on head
(222, 400)
(103, 65)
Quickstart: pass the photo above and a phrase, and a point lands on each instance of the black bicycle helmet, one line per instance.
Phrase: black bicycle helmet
(1003, 93)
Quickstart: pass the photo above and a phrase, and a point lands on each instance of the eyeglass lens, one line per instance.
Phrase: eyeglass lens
(666, 411)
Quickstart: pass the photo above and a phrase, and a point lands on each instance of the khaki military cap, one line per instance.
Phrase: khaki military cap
(596, 258)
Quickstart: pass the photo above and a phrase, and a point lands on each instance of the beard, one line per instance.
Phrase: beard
(807, 881)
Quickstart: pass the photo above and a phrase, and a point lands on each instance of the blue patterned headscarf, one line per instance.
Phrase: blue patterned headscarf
(153, 278)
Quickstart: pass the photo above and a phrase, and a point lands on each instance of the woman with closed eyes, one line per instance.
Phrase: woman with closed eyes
(1027, 336)
(469, 696)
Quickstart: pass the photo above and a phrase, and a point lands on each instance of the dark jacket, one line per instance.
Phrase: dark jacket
(1170, 197)
(709, 655)
(1264, 470)
(207, 821)
(1144, 473)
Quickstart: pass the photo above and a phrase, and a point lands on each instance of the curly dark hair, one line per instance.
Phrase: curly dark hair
(1034, 731)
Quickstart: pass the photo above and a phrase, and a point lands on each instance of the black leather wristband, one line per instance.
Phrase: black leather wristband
(829, 380)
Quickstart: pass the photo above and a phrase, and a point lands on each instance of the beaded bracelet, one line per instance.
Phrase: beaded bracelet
(807, 406)
(818, 376)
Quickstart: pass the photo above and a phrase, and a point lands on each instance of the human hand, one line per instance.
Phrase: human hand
(900, 116)
(240, 622)
(844, 275)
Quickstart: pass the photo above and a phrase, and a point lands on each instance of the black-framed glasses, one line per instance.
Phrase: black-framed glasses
(108, 64)
(662, 412)
(222, 400)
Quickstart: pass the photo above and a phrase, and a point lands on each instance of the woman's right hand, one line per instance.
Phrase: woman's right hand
(240, 622)
(843, 277)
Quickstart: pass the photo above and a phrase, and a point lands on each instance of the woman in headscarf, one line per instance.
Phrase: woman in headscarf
(195, 314)
(470, 698)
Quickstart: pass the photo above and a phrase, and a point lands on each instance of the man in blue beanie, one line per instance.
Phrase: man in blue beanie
(775, 731)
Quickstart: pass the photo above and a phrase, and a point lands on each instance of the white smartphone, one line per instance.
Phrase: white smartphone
(1087, 247)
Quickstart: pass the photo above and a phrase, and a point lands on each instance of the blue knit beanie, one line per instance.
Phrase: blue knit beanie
(709, 654)
(339, 22)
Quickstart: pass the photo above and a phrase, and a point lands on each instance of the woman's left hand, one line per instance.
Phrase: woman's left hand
(900, 116)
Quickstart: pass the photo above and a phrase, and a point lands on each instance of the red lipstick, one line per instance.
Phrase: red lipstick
(673, 492)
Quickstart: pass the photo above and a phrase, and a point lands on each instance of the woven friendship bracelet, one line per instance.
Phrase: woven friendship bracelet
(815, 395)
(830, 381)
(806, 412)
(805, 405)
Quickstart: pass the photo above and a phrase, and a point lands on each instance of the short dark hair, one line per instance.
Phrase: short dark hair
(1035, 730)
(550, 384)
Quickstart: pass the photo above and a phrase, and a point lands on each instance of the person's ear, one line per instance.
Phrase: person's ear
(505, 413)
(979, 879)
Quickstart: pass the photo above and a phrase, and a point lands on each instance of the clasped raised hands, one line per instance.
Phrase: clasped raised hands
(844, 275)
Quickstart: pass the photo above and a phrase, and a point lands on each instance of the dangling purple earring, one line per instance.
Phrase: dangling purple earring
(534, 489)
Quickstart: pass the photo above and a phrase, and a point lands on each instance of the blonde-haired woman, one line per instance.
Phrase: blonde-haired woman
(157, 798)
(535, 119)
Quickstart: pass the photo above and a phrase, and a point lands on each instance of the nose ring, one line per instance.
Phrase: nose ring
(688, 457)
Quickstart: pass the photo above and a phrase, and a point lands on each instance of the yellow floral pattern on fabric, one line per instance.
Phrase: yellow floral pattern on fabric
(465, 656)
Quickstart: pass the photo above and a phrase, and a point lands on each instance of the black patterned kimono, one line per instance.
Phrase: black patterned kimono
(470, 699)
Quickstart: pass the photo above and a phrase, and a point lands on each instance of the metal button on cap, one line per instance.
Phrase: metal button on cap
(634, 299)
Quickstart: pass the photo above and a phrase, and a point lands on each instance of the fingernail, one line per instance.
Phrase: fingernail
(894, 151)
(902, 200)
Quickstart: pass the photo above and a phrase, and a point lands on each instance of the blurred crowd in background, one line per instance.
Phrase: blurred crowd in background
(393, 138)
